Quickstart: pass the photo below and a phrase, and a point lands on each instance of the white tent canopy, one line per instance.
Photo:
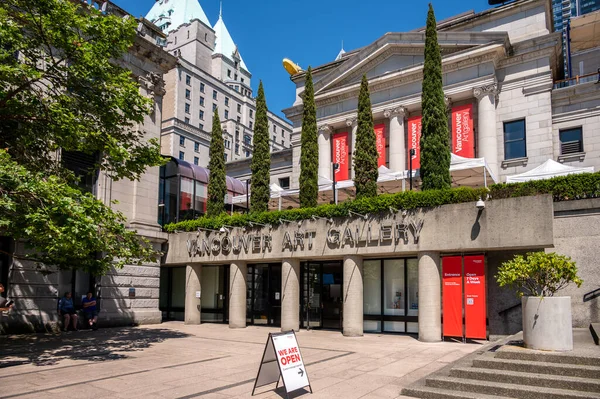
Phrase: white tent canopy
(472, 172)
(548, 170)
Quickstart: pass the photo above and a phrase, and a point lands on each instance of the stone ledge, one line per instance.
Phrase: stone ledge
(515, 162)
(578, 156)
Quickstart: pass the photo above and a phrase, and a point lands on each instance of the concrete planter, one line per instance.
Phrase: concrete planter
(547, 323)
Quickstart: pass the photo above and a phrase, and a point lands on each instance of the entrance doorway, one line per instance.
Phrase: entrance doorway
(263, 306)
(215, 294)
(322, 301)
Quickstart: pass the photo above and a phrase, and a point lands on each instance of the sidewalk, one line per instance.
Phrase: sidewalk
(172, 360)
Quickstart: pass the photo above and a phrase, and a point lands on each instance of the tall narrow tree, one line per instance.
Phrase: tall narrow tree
(309, 156)
(217, 184)
(261, 157)
(365, 154)
(435, 146)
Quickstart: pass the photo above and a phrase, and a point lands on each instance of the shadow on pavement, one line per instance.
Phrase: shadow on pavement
(94, 346)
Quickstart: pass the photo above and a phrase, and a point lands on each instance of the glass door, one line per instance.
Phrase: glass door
(322, 302)
(263, 306)
(215, 287)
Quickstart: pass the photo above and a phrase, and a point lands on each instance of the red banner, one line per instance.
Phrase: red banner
(463, 140)
(414, 141)
(452, 295)
(380, 142)
(475, 309)
(340, 155)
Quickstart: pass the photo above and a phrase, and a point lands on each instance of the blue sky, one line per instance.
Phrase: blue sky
(310, 32)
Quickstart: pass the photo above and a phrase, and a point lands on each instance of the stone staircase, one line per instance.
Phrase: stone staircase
(509, 371)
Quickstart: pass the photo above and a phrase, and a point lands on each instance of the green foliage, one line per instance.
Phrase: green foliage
(562, 188)
(217, 183)
(538, 273)
(261, 157)
(62, 225)
(365, 154)
(309, 157)
(435, 147)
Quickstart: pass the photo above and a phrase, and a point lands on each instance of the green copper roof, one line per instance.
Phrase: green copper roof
(170, 14)
(224, 42)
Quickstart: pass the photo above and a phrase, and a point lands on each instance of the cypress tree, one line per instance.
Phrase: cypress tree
(435, 147)
(365, 155)
(309, 158)
(217, 185)
(261, 157)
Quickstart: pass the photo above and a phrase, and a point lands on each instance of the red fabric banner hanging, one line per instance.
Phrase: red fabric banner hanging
(463, 140)
(380, 142)
(340, 155)
(452, 296)
(475, 305)
(414, 141)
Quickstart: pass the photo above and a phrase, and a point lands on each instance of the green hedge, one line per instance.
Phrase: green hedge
(562, 189)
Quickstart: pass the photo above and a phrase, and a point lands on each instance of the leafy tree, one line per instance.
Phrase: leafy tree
(435, 146)
(365, 154)
(62, 88)
(217, 182)
(309, 157)
(261, 157)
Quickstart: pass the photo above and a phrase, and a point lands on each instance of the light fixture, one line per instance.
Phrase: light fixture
(392, 209)
(480, 204)
(224, 229)
(365, 216)
(284, 220)
(315, 217)
(203, 229)
(259, 224)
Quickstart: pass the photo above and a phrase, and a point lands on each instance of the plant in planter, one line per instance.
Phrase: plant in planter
(537, 276)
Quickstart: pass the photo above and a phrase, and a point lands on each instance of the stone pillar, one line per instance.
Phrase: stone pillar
(353, 296)
(290, 295)
(430, 305)
(193, 284)
(397, 144)
(325, 152)
(353, 125)
(486, 127)
(238, 273)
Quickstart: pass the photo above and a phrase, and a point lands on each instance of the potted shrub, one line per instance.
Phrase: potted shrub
(537, 276)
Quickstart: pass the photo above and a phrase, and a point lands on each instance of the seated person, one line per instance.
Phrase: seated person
(5, 304)
(89, 310)
(67, 310)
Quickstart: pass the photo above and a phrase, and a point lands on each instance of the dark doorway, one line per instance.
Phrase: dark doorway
(322, 301)
(172, 293)
(215, 294)
(263, 303)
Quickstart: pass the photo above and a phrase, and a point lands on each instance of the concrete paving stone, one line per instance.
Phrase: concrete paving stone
(86, 391)
(192, 389)
(386, 391)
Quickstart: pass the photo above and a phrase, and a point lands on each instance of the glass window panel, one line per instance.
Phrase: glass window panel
(514, 130)
(171, 200)
(261, 294)
(249, 296)
(412, 289)
(570, 135)
(394, 326)
(178, 287)
(412, 327)
(371, 326)
(372, 287)
(185, 202)
(515, 149)
(393, 283)
(200, 198)
(163, 300)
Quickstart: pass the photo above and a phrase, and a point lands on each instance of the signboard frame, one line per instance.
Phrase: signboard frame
(270, 344)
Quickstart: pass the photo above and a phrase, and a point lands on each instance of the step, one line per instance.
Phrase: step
(438, 393)
(504, 389)
(595, 330)
(535, 356)
(532, 379)
(568, 370)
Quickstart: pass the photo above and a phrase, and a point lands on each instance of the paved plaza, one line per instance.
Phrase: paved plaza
(173, 360)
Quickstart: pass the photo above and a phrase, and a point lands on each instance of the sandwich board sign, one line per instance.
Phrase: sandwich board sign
(282, 358)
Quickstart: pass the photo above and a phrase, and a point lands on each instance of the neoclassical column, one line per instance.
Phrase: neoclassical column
(325, 151)
(352, 293)
(290, 295)
(430, 306)
(486, 115)
(353, 126)
(237, 294)
(193, 303)
(397, 145)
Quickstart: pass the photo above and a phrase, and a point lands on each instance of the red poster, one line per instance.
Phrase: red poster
(340, 155)
(380, 142)
(463, 140)
(475, 309)
(414, 141)
(452, 296)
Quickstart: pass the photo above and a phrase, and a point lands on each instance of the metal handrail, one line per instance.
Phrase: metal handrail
(591, 295)
(577, 79)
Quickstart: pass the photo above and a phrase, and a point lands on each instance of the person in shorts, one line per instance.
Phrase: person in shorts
(5, 304)
(67, 311)
(90, 311)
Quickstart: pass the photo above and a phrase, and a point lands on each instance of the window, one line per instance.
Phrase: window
(274, 139)
(227, 101)
(201, 115)
(202, 101)
(201, 87)
(237, 135)
(251, 114)
(282, 133)
(236, 88)
(227, 144)
(247, 139)
(188, 80)
(226, 114)
(282, 141)
(187, 120)
(201, 126)
(242, 80)
(247, 153)
(284, 182)
(214, 107)
(196, 160)
(237, 148)
(239, 108)
(215, 94)
(188, 34)
(229, 73)
(571, 141)
(239, 120)
(181, 155)
(188, 94)
(197, 147)
(235, 77)
(514, 139)
(225, 157)
(187, 108)
(274, 129)
(250, 124)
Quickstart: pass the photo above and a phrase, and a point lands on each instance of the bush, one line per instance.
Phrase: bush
(538, 273)
(563, 188)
